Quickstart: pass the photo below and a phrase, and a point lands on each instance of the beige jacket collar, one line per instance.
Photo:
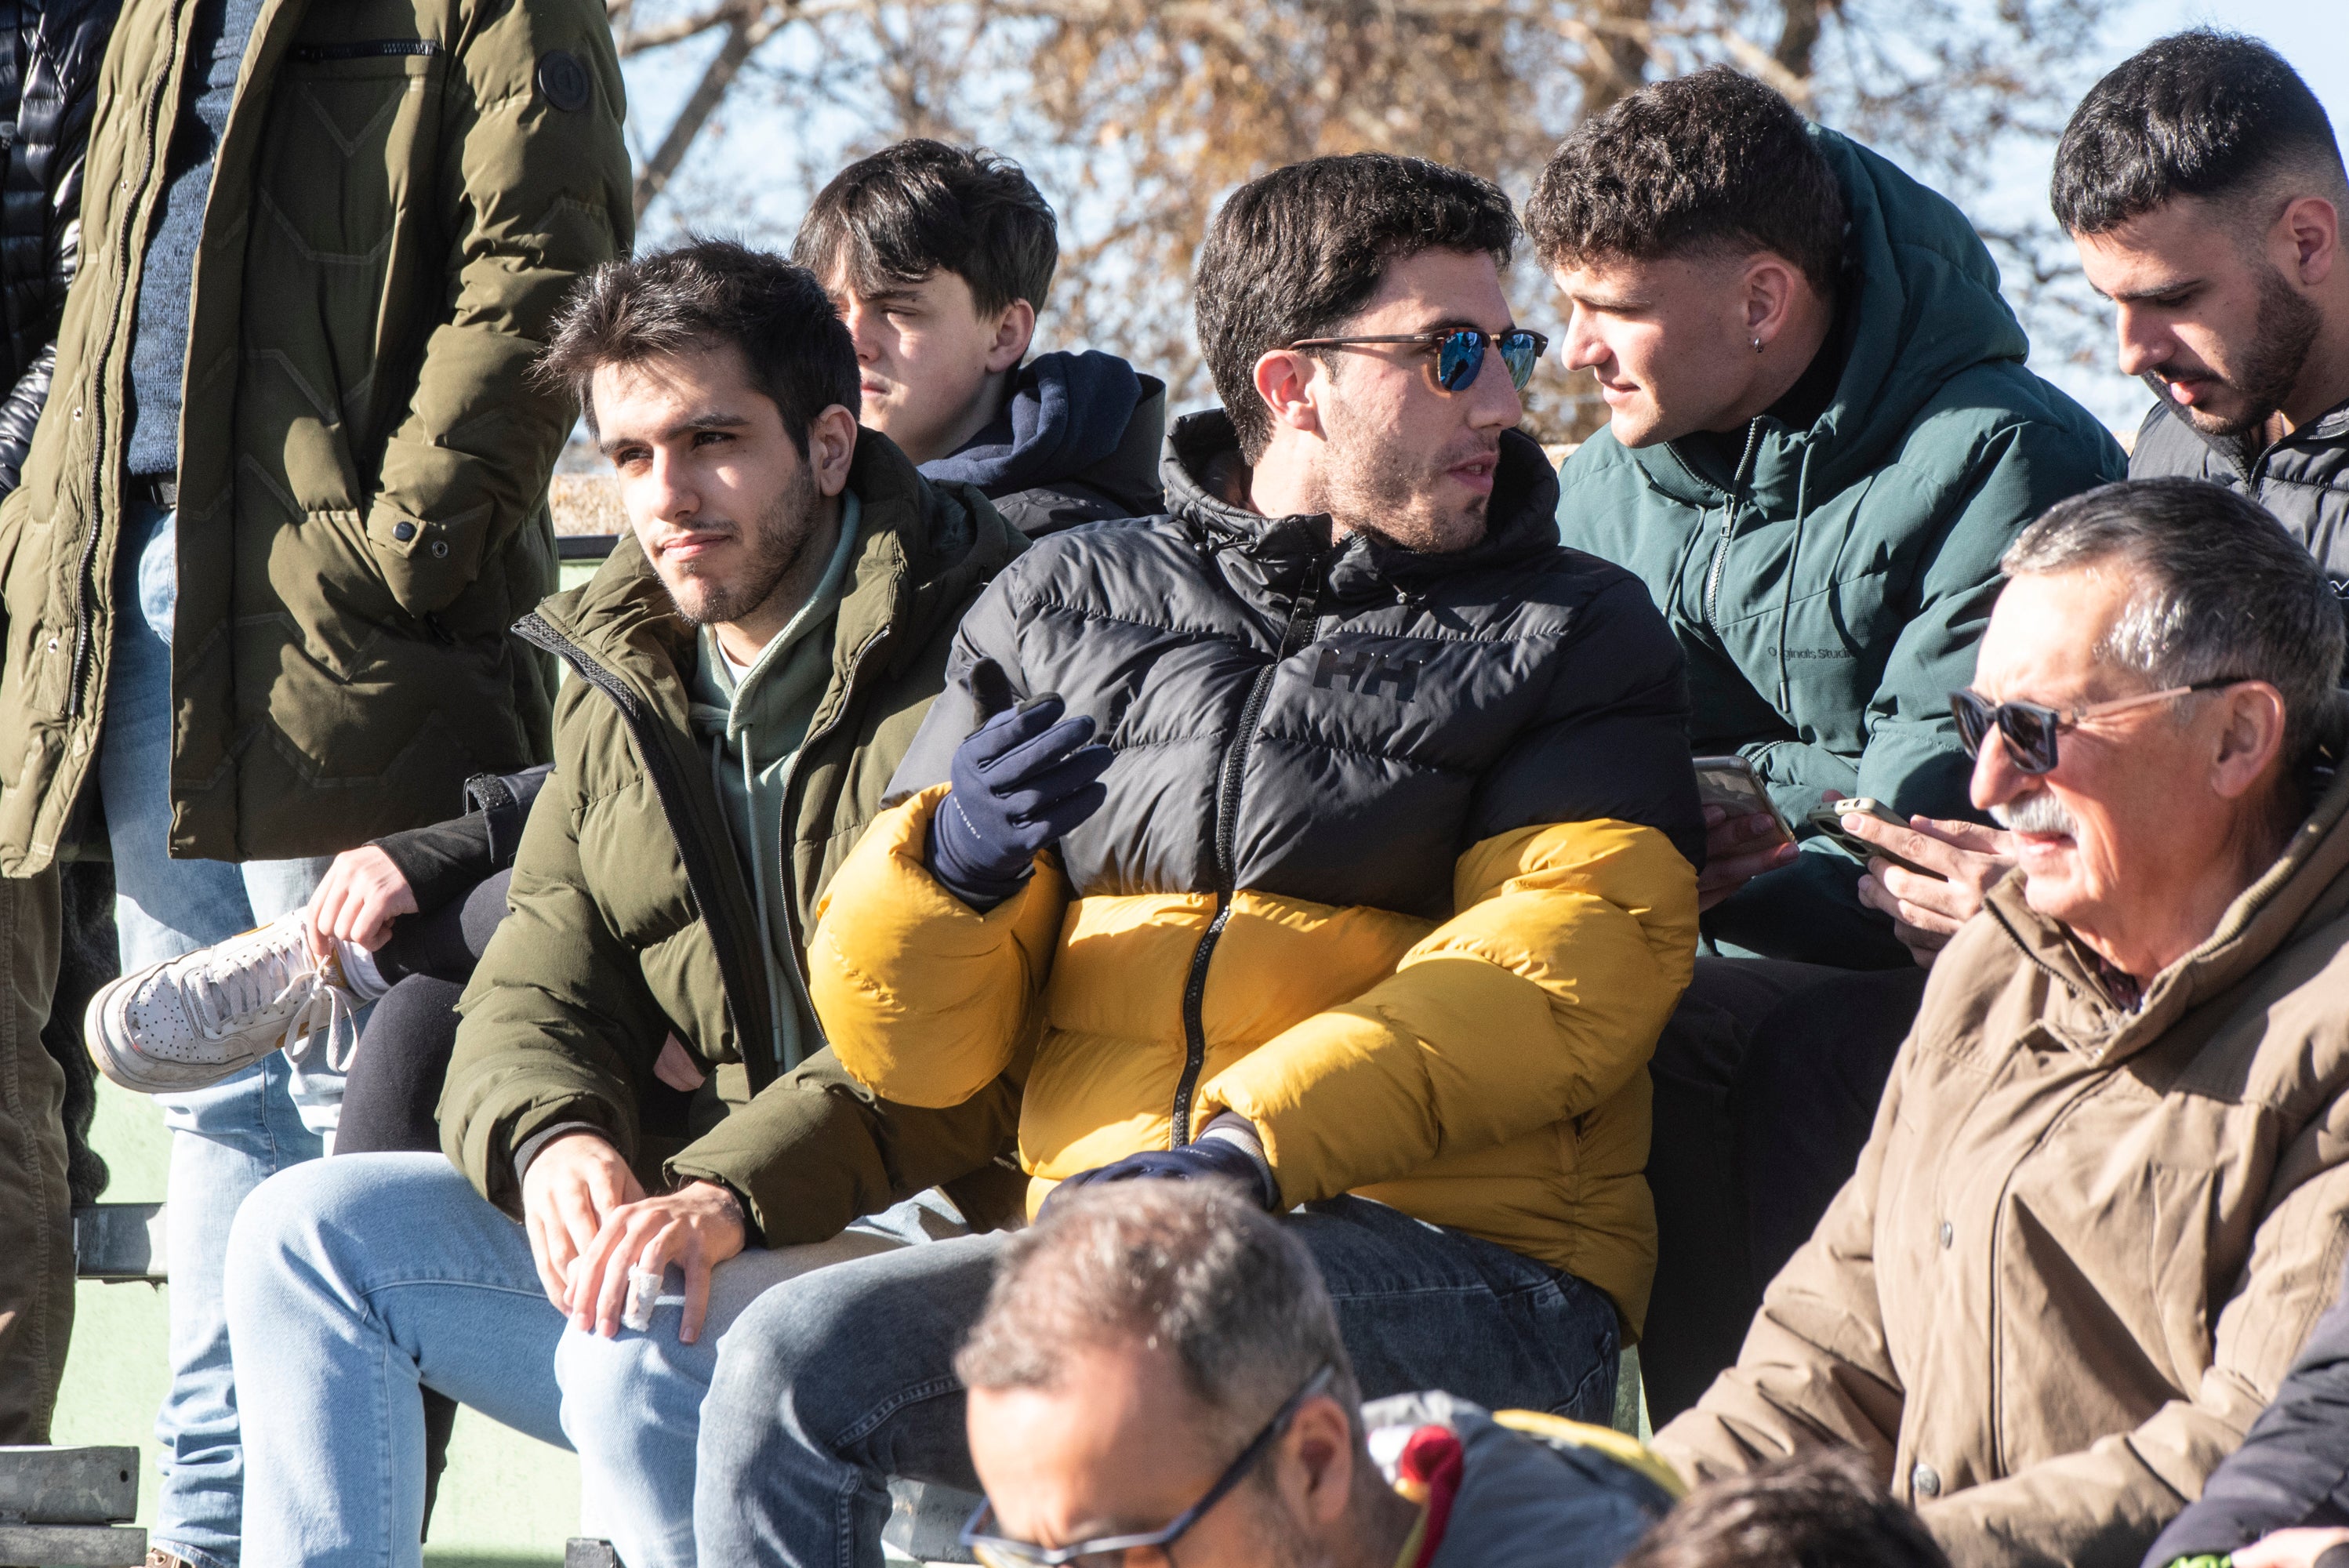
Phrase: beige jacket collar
(2304, 888)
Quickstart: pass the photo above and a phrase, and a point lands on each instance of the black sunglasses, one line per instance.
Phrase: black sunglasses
(1002, 1551)
(2030, 730)
(1459, 351)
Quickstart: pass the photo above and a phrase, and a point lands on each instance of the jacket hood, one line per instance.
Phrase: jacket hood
(1918, 303)
(1533, 1489)
(1068, 414)
(1207, 483)
(2304, 889)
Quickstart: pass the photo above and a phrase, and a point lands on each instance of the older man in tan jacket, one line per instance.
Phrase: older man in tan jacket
(2105, 1198)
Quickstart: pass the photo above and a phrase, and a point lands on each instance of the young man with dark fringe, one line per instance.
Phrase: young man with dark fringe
(938, 258)
(1821, 437)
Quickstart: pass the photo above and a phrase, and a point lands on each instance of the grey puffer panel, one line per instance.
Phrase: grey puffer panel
(2304, 478)
(1335, 724)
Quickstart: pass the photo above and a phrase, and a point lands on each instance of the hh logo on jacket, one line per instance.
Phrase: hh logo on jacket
(1368, 671)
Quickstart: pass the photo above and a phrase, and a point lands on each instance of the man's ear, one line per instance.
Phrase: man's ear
(831, 447)
(1769, 287)
(1318, 1462)
(1286, 379)
(2310, 230)
(2250, 736)
(1014, 330)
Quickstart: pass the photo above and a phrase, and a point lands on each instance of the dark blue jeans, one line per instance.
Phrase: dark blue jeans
(834, 1382)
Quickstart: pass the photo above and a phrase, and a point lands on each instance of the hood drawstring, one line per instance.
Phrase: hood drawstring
(778, 986)
(1794, 557)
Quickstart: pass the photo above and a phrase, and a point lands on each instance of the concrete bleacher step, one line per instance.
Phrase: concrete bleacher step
(61, 1508)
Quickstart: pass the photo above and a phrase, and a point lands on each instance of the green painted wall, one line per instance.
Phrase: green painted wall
(507, 1502)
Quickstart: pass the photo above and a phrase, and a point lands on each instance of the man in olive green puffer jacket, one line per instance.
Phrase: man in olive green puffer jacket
(286, 498)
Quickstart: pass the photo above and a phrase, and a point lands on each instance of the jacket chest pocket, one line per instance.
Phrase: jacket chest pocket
(343, 222)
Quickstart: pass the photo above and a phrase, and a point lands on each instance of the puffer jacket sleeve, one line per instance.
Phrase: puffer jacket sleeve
(558, 1024)
(535, 176)
(1574, 936)
(71, 45)
(1816, 1369)
(2293, 1466)
(2102, 1506)
(816, 1149)
(926, 1001)
(1912, 761)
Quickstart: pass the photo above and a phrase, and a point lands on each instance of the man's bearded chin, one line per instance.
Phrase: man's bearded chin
(1372, 490)
(776, 541)
(2282, 336)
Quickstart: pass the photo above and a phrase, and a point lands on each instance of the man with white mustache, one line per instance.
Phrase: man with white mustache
(2099, 1209)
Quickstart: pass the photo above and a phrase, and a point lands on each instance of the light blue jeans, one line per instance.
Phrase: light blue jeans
(225, 1139)
(353, 1283)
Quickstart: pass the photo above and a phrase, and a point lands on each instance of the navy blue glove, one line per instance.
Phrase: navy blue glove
(1025, 777)
(1228, 1151)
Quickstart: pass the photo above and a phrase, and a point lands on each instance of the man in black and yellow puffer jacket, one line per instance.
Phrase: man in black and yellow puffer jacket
(1377, 907)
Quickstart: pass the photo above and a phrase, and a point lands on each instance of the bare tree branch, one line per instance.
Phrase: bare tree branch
(750, 25)
(1616, 62)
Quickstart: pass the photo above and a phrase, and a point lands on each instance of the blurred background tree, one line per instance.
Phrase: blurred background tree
(1135, 118)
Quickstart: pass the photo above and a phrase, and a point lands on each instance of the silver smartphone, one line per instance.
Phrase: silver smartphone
(1828, 820)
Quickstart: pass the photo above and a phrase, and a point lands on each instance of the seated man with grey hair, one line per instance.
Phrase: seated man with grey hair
(2101, 1207)
(1159, 1376)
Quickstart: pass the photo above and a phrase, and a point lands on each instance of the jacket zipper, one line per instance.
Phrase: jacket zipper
(701, 873)
(85, 580)
(797, 968)
(1729, 528)
(374, 50)
(1302, 608)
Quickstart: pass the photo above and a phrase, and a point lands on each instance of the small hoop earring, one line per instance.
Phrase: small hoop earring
(1757, 345)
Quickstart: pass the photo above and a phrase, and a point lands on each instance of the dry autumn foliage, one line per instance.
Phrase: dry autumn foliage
(1136, 117)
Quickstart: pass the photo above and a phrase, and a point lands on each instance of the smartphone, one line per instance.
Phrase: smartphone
(1731, 783)
(1828, 820)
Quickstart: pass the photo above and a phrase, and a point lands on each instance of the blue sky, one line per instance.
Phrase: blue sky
(2313, 34)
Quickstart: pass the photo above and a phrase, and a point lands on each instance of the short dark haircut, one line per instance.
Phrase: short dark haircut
(708, 294)
(1823, 1510)
(1188, 1267)
(2200, 113)
(1706, 164)
(922, 207)
(1301, 250)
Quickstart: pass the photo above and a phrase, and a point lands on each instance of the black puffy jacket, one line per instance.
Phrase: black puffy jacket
(49, 55)
(2304, 478)
(1397, 861)
(2292, 1470)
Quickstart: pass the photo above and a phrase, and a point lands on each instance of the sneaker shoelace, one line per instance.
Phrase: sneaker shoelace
(217, 997)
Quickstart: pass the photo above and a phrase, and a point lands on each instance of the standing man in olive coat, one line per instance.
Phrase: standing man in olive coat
(49, 55)
(286, 498)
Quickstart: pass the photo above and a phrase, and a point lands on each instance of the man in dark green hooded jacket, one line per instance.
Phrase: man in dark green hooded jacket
(1822, 438)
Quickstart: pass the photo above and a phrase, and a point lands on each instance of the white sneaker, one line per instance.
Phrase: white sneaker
(188, 1021)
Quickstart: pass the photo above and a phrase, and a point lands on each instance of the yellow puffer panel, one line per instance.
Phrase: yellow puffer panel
(1487, 1072)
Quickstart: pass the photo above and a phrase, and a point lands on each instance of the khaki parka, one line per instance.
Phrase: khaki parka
(2083, 1244)
(632, 914)
(403, 194)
